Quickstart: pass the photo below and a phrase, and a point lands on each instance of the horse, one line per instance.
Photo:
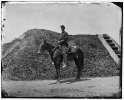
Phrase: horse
(57, 57)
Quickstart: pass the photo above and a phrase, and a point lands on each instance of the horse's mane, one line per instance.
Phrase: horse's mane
(50, 44)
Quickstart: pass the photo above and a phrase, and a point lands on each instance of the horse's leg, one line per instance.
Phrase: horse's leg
(56, 76)
(79, 67)
(57, 66)
(58, 71)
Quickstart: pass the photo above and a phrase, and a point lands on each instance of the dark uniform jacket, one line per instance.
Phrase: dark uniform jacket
(64, 38)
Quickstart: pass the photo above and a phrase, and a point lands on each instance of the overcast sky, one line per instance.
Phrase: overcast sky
(77, 18)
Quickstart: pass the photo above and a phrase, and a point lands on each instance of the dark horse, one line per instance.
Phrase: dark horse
(57, 57)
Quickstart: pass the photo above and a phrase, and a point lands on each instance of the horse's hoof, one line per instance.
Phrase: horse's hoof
(58, 81)
(77, 78)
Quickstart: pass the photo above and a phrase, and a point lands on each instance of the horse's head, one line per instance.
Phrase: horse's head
(42, 46)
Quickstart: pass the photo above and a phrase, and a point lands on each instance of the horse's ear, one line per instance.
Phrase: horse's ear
(43, 41)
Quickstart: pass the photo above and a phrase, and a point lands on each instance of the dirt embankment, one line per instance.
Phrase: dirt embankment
(22, 62)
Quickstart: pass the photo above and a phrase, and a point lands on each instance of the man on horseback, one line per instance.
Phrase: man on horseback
(74, 53)
(64, 45)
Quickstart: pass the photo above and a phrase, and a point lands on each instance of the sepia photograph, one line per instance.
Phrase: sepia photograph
(61, 49)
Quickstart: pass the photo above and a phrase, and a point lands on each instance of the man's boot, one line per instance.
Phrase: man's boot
(65, 61)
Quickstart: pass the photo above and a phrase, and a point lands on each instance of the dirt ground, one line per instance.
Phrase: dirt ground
(86, 87)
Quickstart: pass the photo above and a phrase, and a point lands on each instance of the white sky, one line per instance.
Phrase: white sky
(77, 18)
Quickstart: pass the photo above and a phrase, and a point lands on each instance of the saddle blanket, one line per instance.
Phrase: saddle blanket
(73, 49)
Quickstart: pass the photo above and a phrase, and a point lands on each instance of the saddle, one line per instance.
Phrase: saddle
(72, 48)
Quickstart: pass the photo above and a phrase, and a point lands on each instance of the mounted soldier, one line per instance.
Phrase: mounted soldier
(63, 52)
(66, 47)
(63, 42)
(63, 45)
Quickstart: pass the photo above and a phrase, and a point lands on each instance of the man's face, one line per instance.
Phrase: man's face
(62, 28)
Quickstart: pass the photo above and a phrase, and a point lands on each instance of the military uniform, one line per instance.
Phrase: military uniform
(64, 45)
(64, 38)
